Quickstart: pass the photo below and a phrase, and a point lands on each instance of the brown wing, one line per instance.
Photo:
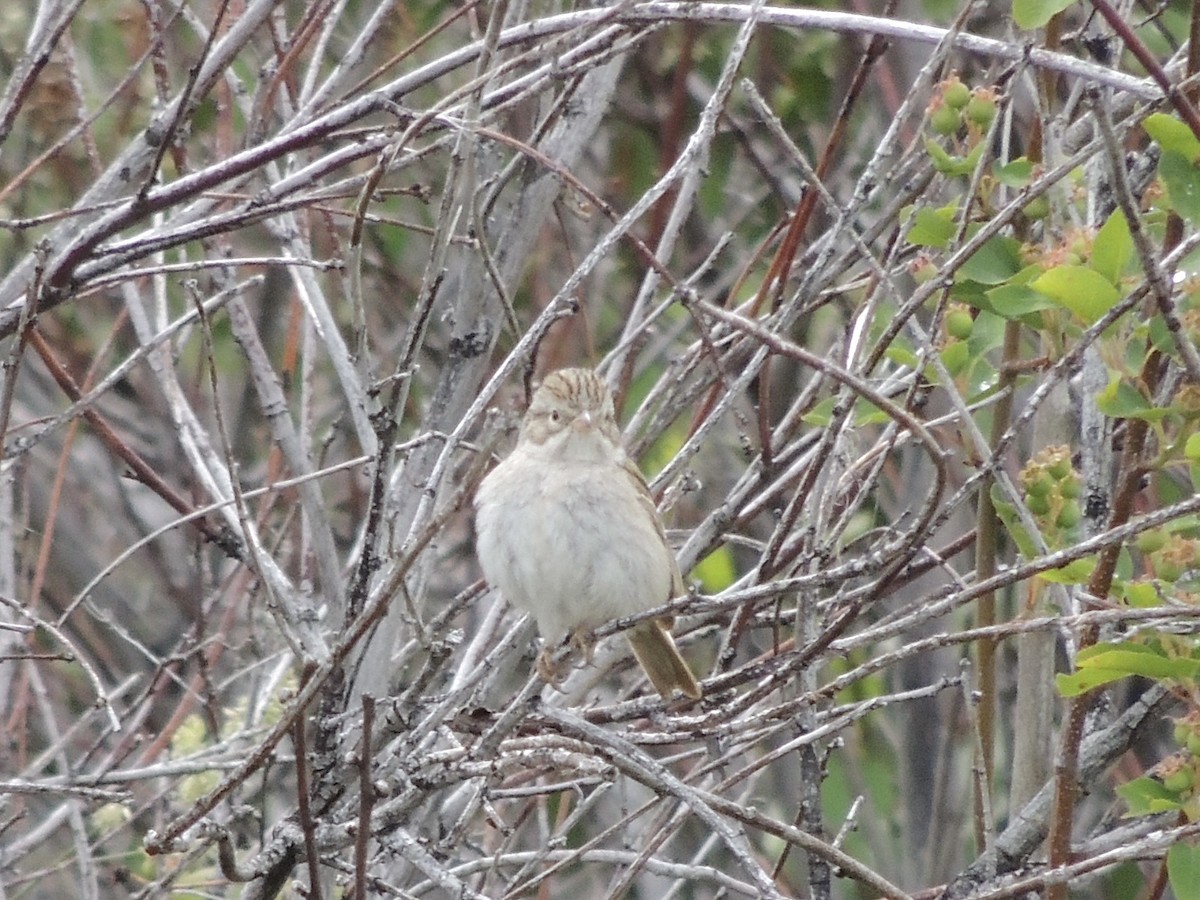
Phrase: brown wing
(651, 641)
(647, 501)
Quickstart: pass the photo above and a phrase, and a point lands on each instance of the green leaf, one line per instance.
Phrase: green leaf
(1135, 659)
(969, 292)
(1189, 526)
(1036, 13)
(1016, 301)
(1113, 247)
(1183, 868)
(1144, 796)
(998, 260)
(1192, 448)
(867, 413)
(932, 227)
(1016, 174)
(1172, 135)
(940, 157)
(1121, 400)
(986, 334)
(1075, 572)
(1148, 665)
(1083, 291)
(953, 165)
(1008, 515)
(1100, 649)
(1142, 595)
(1103, 663)
(821, 414)
(1081, 682)
(1160, 336)
(1183, 185)
(902, 356)
(956, 356)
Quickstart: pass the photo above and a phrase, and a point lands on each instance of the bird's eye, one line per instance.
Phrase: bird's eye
(555, 416)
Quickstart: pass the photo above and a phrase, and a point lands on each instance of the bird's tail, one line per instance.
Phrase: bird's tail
(656, 651)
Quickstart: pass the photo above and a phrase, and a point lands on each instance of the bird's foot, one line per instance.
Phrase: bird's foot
(582, 641)
(549, 670)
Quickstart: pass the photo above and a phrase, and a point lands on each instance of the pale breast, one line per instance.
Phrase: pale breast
(574, 550)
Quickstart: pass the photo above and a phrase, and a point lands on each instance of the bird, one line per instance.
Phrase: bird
(567, 531)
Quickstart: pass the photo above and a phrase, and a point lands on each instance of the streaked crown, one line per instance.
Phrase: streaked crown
(564, 396)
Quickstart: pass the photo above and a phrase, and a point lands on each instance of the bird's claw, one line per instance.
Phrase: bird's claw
(549, 670)
(582, 640)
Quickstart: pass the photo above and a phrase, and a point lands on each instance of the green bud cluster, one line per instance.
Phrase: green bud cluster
(1052, 489)
(1187, 732)
(1180, 773)
(1171, 555)
(955, 104)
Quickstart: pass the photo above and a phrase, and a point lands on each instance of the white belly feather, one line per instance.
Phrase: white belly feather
(584, 561)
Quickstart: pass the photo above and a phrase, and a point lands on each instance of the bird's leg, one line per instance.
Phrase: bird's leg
(547, 668)
(582, 640)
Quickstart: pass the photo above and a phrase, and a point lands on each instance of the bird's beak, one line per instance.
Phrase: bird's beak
(584, 422)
